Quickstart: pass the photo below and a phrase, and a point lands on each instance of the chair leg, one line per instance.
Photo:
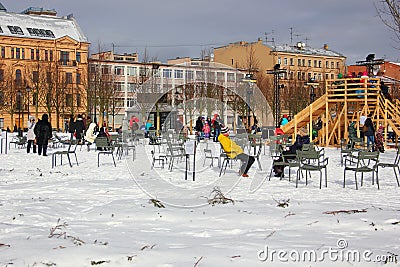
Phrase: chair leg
(395, 173)
(297, 177)
(344, 179)
(326, 177)
(377, 180)
(320, 179)
(98, 159)
(77, 164)
(115, 165)
(355, 177)
(69, 160)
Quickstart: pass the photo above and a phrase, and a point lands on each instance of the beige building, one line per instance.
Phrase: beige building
(43, 67)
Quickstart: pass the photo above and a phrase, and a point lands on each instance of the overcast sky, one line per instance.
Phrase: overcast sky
(179, 28)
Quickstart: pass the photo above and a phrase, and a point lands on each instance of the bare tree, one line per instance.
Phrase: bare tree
(389, 12)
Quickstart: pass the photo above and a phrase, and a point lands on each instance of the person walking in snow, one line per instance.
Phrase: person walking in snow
(31, 135)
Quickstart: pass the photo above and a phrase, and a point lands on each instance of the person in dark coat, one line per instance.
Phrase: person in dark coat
(79, 128)
(302, 138)
(199, 128)
(369, 132)
(71, 126)
(216, 123)
(43, 133)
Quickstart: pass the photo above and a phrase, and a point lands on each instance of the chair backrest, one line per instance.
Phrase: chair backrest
(358, 142)
(367, 159)
(102, 142)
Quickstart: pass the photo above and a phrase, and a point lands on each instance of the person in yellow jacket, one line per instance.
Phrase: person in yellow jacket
(233, 151)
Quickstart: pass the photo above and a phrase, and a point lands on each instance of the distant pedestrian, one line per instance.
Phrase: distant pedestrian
(43, 132)
(379, 140)
(31, 135)
(71, 126)
(369, 132)
(79, 128)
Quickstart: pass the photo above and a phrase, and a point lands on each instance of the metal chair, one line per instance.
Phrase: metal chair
(106, 147)
(366, 162)
(312, 160)
(209, 155)
(72, 145)
(394, 165)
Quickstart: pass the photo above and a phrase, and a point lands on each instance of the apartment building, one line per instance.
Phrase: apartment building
(43, 67)
(161, 92)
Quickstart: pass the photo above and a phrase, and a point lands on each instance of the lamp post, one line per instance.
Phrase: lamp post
(249, 93)
(28, 89)
(19, 111)
(277, 105)
(312, 84)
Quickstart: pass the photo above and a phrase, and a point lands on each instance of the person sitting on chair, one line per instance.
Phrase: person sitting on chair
(233, 151)
(302, 138)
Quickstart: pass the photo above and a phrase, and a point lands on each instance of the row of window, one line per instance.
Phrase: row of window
(69, 100)
(35, 77)
(307, 76)
(302, 62)
(169, 73)
(32, 31)
(37, 54)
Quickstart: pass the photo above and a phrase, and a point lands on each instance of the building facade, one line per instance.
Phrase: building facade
(43, 67)
(162, 92)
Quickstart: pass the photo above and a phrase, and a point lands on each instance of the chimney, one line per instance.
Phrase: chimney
(326, 47)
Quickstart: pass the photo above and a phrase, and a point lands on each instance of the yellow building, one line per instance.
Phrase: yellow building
(43, 67)
(299, 64)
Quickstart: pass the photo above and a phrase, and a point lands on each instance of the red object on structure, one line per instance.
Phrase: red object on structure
(279, 131)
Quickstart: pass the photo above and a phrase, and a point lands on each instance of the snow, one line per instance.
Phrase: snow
(88, 215)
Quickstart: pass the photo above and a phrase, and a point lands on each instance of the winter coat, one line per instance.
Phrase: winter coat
(298, 144)
(284, 121)
(31, 134)
(370, 127)
(90, 136)
(79, 128)
(199, 125)
(230, 147)
(43, 130)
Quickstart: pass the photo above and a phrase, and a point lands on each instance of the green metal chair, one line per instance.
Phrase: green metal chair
(72, 145)
(312, 160)
(106, 148)
(394, 165)
(367, 162)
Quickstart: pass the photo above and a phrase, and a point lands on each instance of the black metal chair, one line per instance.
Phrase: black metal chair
(72, 145)
(366, 162)
(312, 160)
(209, 155)
(105, 147)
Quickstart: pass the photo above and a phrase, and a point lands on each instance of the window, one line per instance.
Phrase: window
(291, 61)
(200, 75)
(309, 62)
(1, 75)
(78, 100)
(68, 100)
(120, 86)
(304, 62)
(332, 65)
(303, 76)
(15, 30)
(327, 64)
(51, 55)
(68, 77)
(64, 57)
(332, 76)
(220, 76)
(189, 75)
(230, 77)
(320, 64)
(279, 60)
(34, 99)
(298, 75)
(1, 123)
(178, 74)
(78, 78)
(46, 55)
(132, 71)
(285, 61)
(18, 53)
(48, 77)
(327, 76)
(211, 76)
(37, 54)
(315, 64)
(119, 70)
(167, 73)
(35, 76)
(105, 69)
(23, 53)
(12, 52)
(3, 52)
(319, 77)
(78, 56)
(131, 87)
(299, 62)
(18, 77)
(32, 54)
(309, 76)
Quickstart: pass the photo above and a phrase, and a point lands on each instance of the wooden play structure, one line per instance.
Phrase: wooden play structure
(345, 101)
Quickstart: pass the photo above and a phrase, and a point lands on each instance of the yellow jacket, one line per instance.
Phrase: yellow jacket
(230, 147)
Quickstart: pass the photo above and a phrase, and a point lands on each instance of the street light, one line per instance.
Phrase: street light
(277, 105)
(28, 89)
(19, 111)
(312, 84)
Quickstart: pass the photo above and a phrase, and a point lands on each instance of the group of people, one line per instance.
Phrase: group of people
(205, 126)
(374, 136)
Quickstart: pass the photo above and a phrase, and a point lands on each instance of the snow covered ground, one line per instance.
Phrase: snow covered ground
(101, 216)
